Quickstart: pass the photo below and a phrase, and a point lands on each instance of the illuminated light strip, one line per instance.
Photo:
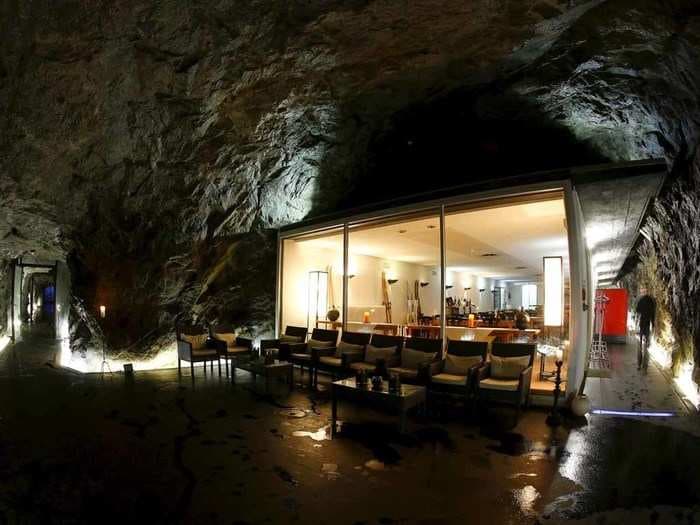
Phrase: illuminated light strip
(4, 341)
(632, 413)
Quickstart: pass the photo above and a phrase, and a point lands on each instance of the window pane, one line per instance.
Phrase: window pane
(395, 277)
(312, 280)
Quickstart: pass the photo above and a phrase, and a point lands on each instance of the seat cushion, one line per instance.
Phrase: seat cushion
(449, 379)
(314, 343)
(361, 365)
(373, 353)
(347, 348)
(290, 339)
(331, 361)
(508, 367)
(509, 385)
(414, 359)
(237, 349)
(205, 352)
(197, 341)
(460, 365)
(229, 338)
(301, 357)
(403, 372)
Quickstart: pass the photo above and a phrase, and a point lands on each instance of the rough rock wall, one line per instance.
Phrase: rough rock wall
(670, 262)
(5, 297)
(153, 144)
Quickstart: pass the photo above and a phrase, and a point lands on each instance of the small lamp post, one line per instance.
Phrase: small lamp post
(554, 418)
(105, 364)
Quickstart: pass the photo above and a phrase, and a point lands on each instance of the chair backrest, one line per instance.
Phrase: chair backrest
(296, 331)
(321, 334)
(356, 338)
(514, 350)
(189, 329)
(425, 344)
(467, 348)
(385, 341)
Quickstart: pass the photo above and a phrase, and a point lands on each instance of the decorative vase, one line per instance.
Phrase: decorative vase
(580, 405)
(333, 315)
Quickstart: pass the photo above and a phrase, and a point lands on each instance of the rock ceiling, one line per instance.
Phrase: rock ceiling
(153, 143)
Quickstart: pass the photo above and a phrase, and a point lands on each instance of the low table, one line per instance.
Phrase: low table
(256, 367)
(408, 397)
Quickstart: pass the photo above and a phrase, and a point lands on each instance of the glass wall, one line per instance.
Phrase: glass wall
(312, 280)
(494, 287)
(394, 276)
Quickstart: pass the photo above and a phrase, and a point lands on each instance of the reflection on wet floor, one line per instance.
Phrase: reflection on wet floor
(221, 453)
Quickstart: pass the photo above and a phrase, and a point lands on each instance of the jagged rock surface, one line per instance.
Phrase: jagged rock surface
(154, 144)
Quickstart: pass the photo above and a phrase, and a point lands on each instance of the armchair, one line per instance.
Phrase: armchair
(280, 347)
(192, 346)
(229, 344)
(381, 352)
(506, 377)
(351, 349)
(456, 374)
(322, 342)
(419, 358)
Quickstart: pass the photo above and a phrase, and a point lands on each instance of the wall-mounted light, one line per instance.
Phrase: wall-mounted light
(467, 288)
(553, 291)
(350, 276)
(423, 284)
(103, 311)
(392, 281)
(482, 290)
(448, 286)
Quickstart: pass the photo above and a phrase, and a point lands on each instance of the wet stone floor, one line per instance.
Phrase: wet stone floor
(82, 449)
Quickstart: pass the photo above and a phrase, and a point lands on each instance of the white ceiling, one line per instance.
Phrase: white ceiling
(519, 234)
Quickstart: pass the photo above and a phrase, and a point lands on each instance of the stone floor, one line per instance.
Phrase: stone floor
(81, 449)
(632, 389)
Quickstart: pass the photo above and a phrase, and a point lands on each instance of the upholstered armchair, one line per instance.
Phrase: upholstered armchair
(507, 375)
(192, 346)
(282, 346)
(419, 359)
(321, 343)
(456, 374)
(229, 344)
(381, 352)
(350, 349)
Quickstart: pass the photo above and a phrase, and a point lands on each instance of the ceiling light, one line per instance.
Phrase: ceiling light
(431, 226)
(521, 267)
(489, 254)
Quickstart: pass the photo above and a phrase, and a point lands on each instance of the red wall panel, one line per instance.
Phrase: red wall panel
(615, 322)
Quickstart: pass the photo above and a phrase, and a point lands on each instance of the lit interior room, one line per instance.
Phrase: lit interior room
(506, 277)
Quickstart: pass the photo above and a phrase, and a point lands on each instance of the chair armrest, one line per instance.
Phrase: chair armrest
(269, 343)
(352, 357)
(244, 341)
(483, 372)
(184, 350)
(525, 381)
(434, 367)
(316, 353)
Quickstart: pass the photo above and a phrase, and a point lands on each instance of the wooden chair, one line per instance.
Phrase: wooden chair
(192, 346)
(338, 363)
(509, 381)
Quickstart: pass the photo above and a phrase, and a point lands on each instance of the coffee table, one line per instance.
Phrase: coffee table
(402, 401)
(256, 367)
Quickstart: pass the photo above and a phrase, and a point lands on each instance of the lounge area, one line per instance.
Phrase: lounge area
(479, 280)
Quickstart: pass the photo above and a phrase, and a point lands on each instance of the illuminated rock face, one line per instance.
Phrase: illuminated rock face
(155, 145)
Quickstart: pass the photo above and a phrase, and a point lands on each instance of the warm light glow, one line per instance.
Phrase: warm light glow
(683, 382)
(553, 291)
(318, 297)
(91, 362)
(103, 311)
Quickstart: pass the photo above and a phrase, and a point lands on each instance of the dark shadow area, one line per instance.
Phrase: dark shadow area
(463, 137)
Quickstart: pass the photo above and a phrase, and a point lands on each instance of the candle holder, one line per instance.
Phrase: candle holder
(554, 418)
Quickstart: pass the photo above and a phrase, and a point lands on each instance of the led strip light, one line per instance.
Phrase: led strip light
(632, 413)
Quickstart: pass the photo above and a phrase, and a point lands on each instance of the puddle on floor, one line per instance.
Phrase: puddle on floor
(322, 434)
